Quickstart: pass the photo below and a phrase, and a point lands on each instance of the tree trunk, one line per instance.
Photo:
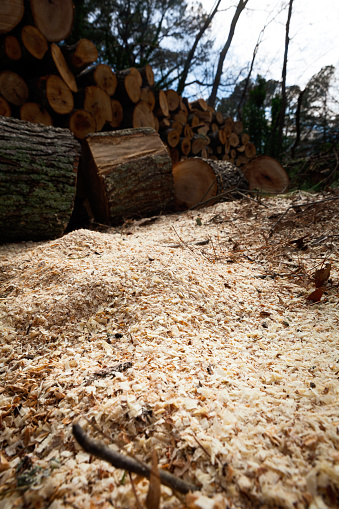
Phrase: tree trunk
(283, 81)
(190, 56)
(38, 174)
(129, 174)
(198, 180)
(241, 6)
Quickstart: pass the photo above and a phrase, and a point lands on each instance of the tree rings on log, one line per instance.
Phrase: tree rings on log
(13, 88)
(266, 174)
(33, 112)
(11, 13)
(38, 175)
(53, 19)
(34, 41)
(198, 180)
(129, 174)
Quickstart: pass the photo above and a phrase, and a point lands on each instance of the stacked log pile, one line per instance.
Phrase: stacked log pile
(57, 85)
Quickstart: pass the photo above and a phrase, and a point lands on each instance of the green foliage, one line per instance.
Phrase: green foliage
(139, 32)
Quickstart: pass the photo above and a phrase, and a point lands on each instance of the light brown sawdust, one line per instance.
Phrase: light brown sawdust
(233, 375)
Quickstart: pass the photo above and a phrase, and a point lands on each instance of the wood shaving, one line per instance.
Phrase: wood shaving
(208, 353)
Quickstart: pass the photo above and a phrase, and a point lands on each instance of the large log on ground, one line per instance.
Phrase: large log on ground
(197, 181)
(38, 173)
(266, 174)
(129, 174)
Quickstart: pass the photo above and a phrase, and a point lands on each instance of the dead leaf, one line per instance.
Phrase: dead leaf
(154, 491)
(322, 275)
(316, 295)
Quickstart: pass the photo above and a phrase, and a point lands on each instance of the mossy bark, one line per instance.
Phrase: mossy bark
(38, 174)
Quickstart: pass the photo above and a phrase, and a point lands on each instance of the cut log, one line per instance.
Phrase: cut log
(161, 105)
(81, 123)
(101, 75)
(38, 176)
(198, 180)
(250, 150)
(140, 116)
(180, 116)
(203, 116)
(128, 89)
(172, 99)
(35, 113)
(5, 109)
(199, 104)
(198, 142)
(238, 127)
(184, 146)
(11, 13)
(233, 139)
(13, 88)
(147, 95)
(53, 19)
(10, 52)
(132, 71)
(117, 114)
(170, 137)
(80, 55)
(266, 174)
(34, 41)
(54, 91)
(147, 76)
(98, 103)
(129, 174)
(62, 67)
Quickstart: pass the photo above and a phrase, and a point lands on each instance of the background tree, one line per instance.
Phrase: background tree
(138, 32)
(212, 98)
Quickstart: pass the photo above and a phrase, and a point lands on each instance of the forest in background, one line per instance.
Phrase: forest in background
(299, 127)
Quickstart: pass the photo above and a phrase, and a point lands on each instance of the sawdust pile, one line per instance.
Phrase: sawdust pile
(191, 335)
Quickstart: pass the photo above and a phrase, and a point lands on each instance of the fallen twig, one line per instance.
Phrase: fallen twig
(119, 460)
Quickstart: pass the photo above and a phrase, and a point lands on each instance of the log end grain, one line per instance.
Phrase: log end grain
(266, 173)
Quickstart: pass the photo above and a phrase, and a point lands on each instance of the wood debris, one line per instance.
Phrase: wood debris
(164, 349)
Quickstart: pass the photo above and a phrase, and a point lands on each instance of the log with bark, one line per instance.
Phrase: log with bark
(38, 174)
(128, 174)
(200, 181)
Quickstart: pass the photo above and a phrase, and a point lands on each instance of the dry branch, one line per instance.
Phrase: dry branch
(118, 460)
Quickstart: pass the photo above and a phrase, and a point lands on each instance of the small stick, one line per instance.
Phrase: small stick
(118, 460)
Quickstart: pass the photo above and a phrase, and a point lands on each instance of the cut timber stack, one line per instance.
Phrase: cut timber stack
(58, 85)
(38, 175)
(45, 83)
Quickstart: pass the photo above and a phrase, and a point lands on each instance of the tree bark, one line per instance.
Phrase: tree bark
(212, 98)
(129, 174)
(38, 174)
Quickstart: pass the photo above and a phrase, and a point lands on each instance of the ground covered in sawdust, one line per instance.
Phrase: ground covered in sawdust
(195, 335)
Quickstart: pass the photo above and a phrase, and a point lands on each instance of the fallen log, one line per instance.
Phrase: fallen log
(198, 180)
(266, 174)
(128, 174)
(38, 175)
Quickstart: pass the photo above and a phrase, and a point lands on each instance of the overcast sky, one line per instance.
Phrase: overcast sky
(314, 37)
